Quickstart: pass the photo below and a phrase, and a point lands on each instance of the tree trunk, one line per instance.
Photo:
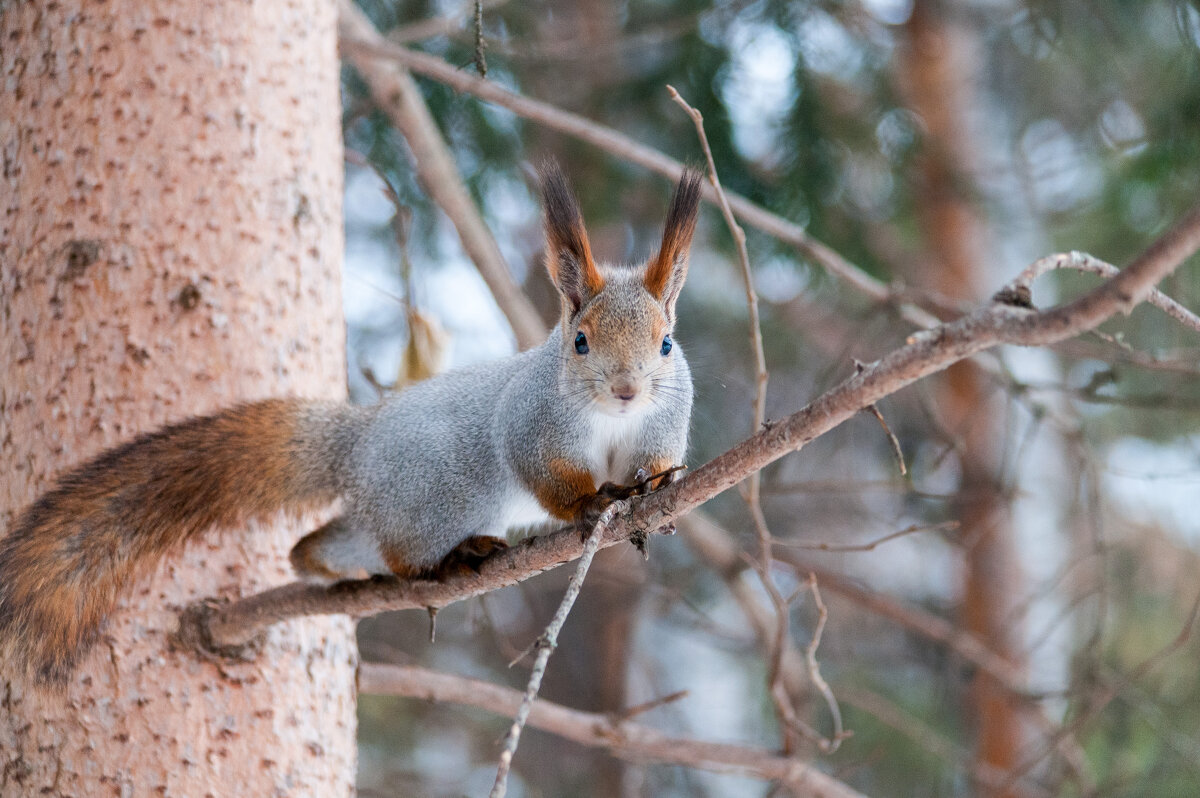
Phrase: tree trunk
(171, 244)
(938, 77)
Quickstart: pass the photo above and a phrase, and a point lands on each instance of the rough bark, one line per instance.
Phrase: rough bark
(171, 244)
(938, 78)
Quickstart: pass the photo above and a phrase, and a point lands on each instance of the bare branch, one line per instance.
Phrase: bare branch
(546, 643)
(739, 239)
(480, 44)
(869, 545)
(925, 353)
(1083, 262)
(814, 669)
(625, 739)
(449, 25)
(397, 94)
(779, 641)
(641, 709)
(893, 441)
(715, 546)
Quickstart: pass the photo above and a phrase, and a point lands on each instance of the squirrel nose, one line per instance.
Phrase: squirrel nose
(624, 390)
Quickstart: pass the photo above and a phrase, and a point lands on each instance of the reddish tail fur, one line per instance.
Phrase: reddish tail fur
(68, 557)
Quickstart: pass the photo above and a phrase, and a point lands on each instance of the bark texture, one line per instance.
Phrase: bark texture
(171, 244)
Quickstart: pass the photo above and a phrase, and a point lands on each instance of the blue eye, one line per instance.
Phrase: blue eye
(666, 347)
(581, 344)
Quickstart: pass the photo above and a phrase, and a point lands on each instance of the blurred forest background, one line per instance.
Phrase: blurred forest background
(1027, 633)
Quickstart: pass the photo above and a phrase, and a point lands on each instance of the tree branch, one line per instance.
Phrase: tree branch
(627, 740)
(716, 547)
(1083, 262)
(925, 353)
(546, 643)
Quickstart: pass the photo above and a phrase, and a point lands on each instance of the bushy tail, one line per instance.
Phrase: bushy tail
(68, 556)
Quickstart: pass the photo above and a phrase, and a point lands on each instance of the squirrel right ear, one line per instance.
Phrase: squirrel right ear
(666, 271)
(568, 254)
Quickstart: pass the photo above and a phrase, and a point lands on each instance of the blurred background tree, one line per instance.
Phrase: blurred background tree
(936, 145)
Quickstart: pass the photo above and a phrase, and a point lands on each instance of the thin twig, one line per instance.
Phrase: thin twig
(1083, 262)
(646, 706)
(449, 25)
(546, 644)
(625, 739)
(779, 640)
(870, 545)
(714, 545)
(873, 409)
(739, 239)
(480, 44)
(832, 743)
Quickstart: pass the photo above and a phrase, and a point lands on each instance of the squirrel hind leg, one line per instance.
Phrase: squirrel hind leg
(338, 550)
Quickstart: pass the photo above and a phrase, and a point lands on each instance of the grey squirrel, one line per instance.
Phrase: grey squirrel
(430, 478)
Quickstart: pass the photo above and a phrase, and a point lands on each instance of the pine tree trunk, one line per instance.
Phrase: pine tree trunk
(171, 244)
(938, 75)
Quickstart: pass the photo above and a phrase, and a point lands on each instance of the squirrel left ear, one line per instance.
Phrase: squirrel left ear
(568, 254)
(667, 270)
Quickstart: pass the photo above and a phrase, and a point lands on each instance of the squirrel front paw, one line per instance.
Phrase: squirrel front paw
(592, 507)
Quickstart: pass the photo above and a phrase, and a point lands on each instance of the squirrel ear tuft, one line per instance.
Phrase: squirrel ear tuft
(667, 270)
(568, 254)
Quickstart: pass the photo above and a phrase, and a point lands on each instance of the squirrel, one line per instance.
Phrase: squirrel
(430, 478)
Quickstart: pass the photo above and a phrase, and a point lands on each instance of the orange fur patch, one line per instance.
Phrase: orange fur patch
(657, 466)
(566, 489)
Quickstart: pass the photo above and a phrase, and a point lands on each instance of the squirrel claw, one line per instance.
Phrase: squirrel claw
(613, 491)
(468, 556)
(644, 483)
(594, 506)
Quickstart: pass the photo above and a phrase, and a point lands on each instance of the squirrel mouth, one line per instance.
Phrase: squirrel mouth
(614, 406)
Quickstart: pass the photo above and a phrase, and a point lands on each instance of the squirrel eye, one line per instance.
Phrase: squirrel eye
(666, 347)
(581, 343)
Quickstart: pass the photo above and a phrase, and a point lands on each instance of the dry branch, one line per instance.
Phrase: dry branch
(716, 546)
(1083, 262)
(779, 642)
(719, 549)
(926, 353)
(398, 95)
(545, 645)
(632, 741)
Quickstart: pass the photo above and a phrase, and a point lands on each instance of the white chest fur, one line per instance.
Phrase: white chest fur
(614, 441)
(521, 511)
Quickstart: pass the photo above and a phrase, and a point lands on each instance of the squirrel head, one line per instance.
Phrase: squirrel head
(617, 320)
